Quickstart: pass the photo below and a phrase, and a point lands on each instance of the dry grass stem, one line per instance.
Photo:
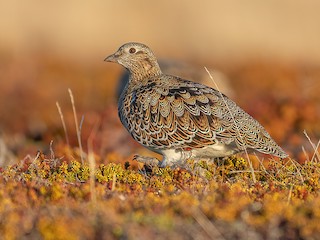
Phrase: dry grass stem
(81, 123)
(315, 147)
(77, 125)
(52, 155)
(92, 167)
(297, 168)
(92, 164)
(207, 225)
(237, 127)
(114, 180)
(63, 124)
(305, 154)
(316, 153)
(266, 171)
(290, 195)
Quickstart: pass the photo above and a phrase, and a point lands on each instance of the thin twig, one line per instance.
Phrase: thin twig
(237, 127)
(77, 126)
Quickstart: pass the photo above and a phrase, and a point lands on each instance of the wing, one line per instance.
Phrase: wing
(185, 114)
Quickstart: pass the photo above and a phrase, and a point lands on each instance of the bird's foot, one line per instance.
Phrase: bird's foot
(148, 161)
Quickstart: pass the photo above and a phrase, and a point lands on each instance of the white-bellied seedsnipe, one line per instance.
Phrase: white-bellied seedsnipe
(180, 119)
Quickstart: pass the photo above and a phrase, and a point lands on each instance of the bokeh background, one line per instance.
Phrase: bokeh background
(267, 51)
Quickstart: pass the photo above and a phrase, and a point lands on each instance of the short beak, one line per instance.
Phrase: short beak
(112, 58)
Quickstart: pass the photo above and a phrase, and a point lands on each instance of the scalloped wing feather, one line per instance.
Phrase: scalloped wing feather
(169, 112)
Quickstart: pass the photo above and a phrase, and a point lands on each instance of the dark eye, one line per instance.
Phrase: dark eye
(132, 50)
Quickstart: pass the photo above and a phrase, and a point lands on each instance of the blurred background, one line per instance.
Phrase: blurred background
(267, 53)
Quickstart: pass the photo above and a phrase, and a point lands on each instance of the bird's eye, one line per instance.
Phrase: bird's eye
(132, 50)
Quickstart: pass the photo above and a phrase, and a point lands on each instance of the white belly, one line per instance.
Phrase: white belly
(179, 156)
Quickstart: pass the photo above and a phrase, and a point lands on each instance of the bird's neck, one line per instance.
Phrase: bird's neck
(144, 72)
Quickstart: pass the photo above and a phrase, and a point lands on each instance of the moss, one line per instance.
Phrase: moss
(55, 199)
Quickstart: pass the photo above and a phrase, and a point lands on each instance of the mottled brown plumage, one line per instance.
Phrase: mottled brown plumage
(188, 71)
(181, 119)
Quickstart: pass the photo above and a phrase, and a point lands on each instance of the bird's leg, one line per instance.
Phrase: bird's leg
(149, 161)
(220, 161)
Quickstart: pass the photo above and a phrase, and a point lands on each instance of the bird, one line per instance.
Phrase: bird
(180, 119)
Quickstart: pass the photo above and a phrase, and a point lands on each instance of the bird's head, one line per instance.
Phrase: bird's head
(137, 58)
